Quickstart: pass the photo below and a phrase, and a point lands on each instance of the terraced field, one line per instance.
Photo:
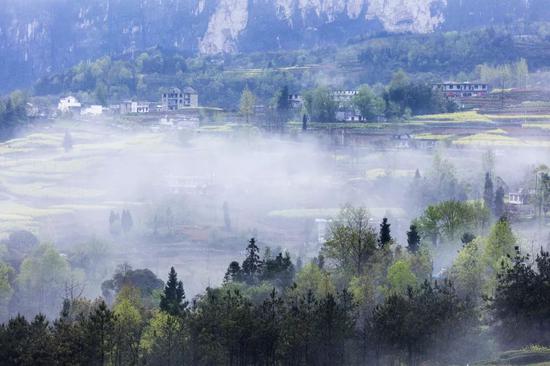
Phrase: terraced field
(39, 179)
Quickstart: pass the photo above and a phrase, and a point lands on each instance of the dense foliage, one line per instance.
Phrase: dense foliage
(13, 111)
(363, 300)
(495, 55)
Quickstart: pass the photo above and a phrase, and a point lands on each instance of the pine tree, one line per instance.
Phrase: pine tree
(233, 273)
(283, 103)
(100, 328)
(498, 207)
(385, 233)
(467, 238)
(488, 192)
(413, 240)
(252, 264)
(172, 300)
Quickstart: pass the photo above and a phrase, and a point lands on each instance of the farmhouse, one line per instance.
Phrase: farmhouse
(349, 115)
(69, 105)
(129, 107)
(175, 99)
(516, 198)
(343, 97)
(295, 101)
(462, 90)
(93, 110)
(346, 111)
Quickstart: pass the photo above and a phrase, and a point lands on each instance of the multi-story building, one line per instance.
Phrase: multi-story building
(462, 90)
(175, 99)
(344, 96)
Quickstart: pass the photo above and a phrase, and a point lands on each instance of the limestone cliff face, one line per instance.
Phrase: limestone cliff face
(231, 17)
(40, 36)
(228, 21)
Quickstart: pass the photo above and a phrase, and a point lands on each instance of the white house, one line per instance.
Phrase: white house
(68, 104)
(134, 107)
(343, 97)
(93, 110)
(295, 100)
(516, 198)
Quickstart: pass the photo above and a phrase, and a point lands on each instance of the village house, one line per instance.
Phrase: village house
(175, 99)
(349, 114)
(343, 97)
(93, 110)
(518, 205)
(132, 107)
(69, 105)
(344, 100)
(346, 110)
(295, 101)
(516, 198)
(462, 90)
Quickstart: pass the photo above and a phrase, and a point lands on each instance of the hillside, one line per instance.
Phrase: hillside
(52, 35)
(220, 79)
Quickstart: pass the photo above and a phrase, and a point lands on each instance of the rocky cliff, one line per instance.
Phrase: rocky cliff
(39, 36)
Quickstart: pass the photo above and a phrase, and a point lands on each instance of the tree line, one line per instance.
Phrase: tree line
(13, 111)
(365, 299)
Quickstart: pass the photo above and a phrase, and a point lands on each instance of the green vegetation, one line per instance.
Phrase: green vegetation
(13, 111)
(505, 76)
(488, 54)
(491, 139)
(368, 103)
(248, 102)
(457, 117)
(320, 105)
(362, 292)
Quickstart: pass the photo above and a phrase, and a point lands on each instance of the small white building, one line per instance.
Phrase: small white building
(516, 198)
(129, 107)
(68, 105)
(343, 97)
(93, 110)
(349, 115)
(295, 100)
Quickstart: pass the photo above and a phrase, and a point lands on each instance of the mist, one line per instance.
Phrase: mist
(219, 186)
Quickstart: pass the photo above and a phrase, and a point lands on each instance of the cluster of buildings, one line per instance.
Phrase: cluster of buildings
(462, 90)
(346, 112)
(172, 99)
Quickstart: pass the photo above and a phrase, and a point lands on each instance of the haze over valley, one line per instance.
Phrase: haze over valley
(328, 182)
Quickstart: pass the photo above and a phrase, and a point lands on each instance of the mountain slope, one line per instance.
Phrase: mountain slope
(41, 36)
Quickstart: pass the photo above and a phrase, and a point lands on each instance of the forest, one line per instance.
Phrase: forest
(364, 300)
